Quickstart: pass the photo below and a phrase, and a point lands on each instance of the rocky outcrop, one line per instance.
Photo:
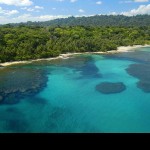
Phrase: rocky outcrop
(1, 99)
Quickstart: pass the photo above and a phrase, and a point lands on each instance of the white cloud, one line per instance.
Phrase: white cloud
(113, 13)
(11, 12)
(29, 17)
(81, 10)
(39, 7)
(99, 2)
(35, 8)
(17, 2)
(73, 1)
(8, 12)
(30, 9)
(142, 9)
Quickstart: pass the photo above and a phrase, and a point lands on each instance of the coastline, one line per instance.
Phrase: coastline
(66, 56)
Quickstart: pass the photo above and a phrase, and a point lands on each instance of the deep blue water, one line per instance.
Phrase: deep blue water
(60, 96)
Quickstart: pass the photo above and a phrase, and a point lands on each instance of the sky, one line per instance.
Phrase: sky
(15, 11)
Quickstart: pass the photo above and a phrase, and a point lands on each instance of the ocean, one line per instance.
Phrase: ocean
(87, 93)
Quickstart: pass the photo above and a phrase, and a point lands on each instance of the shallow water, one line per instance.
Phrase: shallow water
(61, 97)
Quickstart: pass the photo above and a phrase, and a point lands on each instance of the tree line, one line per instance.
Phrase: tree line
(97, 20)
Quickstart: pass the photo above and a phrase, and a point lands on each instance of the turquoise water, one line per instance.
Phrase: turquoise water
(65, 100)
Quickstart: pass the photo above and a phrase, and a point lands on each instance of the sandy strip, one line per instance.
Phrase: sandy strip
(62, 56)
(128, 48)
(66, 56)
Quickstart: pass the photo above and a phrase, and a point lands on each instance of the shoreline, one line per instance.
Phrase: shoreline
(120, 49)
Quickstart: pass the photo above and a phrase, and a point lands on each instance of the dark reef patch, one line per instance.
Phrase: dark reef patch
(16, 126)
(136, 56)
(90, 70)
(142, 72)
(110, 88)
(1, 99)
(145, 86)
(11, 113)
(56, 117)
(81, 63)
(14, 120)
(58, 113)
(17, 83)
